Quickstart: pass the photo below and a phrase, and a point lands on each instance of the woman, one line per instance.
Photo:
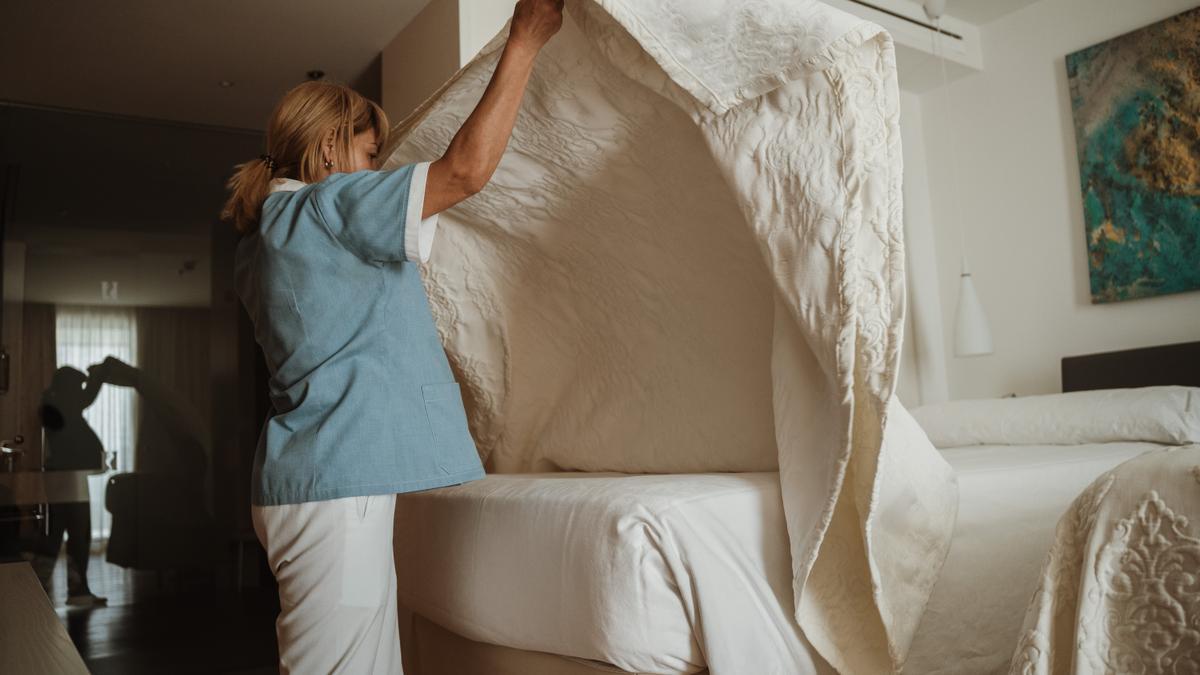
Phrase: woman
(365, 404)
(72, 445)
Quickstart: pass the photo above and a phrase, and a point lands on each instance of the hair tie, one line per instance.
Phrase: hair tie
(269, 161)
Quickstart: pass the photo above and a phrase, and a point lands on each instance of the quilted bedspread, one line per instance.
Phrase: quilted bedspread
(691, 259)
(1120, 588)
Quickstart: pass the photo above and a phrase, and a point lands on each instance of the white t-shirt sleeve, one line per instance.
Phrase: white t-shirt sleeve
(418, 232)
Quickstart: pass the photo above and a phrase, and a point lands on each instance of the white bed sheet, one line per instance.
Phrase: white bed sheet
(1010, 500)
(651, 573)
(654, 573)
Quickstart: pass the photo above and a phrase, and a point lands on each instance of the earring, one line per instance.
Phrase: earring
(328, 163)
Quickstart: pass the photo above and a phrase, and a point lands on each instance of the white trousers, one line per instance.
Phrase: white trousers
(337, 584)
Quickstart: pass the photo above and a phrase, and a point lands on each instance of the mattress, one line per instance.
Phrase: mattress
(647, 573)
(643, 572)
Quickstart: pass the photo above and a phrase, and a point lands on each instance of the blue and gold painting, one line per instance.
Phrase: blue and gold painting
(1136, 104)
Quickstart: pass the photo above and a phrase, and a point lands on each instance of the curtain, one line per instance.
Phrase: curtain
(85, 336)
(29, 334)
(33, 364)
(173, 355)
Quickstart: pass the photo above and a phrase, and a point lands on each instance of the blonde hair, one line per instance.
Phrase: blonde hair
(295, 133)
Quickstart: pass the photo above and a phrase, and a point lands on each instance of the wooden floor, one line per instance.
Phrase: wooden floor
(169, 625)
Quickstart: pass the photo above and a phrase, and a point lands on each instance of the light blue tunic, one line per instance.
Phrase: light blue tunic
(364, 400)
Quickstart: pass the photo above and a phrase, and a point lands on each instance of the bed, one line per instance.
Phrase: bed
(670, 574)
(1013, 498)
(644, 574)
(636, 572)
(690, 260)
(1119, 589)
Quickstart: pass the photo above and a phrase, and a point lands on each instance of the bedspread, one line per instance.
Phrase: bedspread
(691, 259)
(1120, 589)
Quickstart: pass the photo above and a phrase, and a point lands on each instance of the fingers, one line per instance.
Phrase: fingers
(536, 21)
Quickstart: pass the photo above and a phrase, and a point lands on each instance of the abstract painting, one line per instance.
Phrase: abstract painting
(1136, 104)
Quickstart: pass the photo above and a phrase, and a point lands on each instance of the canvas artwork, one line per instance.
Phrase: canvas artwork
(1136, 103)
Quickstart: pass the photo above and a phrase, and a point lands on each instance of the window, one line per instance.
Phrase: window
(85, 336)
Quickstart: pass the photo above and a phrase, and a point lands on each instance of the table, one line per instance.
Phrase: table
(32, 639)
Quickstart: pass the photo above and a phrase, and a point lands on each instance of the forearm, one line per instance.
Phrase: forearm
(475, 151)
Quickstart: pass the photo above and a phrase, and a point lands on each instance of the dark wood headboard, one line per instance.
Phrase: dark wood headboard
(1144, 367)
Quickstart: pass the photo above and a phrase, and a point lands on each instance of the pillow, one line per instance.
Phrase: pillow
(1169, 415)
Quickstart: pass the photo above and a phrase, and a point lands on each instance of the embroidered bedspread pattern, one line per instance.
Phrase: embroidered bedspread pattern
(1120, 588)
(691, 259)
(816, 164)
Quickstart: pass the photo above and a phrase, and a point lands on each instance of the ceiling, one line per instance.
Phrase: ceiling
(165, 60)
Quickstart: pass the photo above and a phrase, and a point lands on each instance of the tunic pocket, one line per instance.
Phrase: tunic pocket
(448, 423)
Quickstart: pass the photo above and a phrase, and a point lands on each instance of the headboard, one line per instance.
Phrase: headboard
(1144, 367)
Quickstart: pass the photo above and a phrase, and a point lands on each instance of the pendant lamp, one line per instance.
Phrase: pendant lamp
(972, 334)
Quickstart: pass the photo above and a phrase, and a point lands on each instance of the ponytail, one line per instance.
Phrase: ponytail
(248, 189)
(301, 122)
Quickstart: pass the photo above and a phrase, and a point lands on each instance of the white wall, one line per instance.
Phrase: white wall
(422, 56)
(445, 36)
(1011, 142)
(480, 21)
(922, 376)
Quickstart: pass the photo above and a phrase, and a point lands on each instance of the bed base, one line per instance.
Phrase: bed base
(429, 649)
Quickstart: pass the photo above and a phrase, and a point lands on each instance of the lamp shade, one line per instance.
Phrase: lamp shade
(972, 335)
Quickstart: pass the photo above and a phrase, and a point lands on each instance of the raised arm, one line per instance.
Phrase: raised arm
(91, 390)
(475, 151)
